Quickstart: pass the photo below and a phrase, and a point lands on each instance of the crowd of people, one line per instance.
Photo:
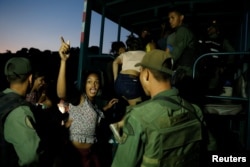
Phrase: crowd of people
(161, 124)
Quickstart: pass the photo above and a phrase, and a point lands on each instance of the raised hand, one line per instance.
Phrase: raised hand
(64, 50)
(110, 104)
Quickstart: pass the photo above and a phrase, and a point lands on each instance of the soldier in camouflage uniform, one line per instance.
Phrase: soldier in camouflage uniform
(19, 139)
(157, 132)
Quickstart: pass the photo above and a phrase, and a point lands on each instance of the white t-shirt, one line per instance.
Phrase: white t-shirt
(130, 58)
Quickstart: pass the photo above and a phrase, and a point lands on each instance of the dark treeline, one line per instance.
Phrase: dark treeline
(49, 61)
(46, 61)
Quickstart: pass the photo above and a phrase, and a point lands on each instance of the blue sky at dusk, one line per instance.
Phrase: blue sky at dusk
(39, 24)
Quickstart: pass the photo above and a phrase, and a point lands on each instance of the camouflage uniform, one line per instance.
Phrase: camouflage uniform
(158, 133)
(19, 131)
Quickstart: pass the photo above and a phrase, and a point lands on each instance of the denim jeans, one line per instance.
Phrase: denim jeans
(128, 86)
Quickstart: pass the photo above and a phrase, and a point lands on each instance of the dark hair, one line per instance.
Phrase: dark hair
(37, 74)
(86, 74)
(176, 9)
(134, 43)
(115, 46)
(214, 23)
(74, 93)
(146, 29)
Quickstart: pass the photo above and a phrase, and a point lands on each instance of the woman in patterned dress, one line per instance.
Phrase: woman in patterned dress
(83, 111)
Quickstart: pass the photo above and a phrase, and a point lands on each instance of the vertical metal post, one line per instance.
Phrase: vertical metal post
(119, 30)
(102, 30)
(246, 46)
(247, 24)
(84, 41)
(248, 81)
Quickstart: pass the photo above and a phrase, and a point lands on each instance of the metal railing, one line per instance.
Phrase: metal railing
(247, 99)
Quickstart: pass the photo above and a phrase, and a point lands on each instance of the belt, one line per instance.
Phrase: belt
(131, 76)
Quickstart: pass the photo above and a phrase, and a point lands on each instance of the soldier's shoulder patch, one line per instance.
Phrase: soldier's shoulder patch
(130, 129)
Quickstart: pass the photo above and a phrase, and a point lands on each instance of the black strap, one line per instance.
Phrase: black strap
(208, 141)
(9, 101)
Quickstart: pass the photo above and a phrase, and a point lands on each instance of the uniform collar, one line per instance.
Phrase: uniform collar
(8, 90)
(170, 92)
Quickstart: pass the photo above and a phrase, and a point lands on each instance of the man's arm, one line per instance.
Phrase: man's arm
(129, 153)
(19, 131)
(182, 38)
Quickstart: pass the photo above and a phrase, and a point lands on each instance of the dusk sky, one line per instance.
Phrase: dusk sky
(39, 24)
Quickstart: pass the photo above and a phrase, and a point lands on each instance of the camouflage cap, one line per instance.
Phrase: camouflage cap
(17, 66)
(155, 59)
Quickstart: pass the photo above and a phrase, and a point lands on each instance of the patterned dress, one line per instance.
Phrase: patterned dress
(86, 117)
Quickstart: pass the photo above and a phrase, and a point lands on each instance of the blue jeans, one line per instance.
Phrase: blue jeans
(128, 86)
